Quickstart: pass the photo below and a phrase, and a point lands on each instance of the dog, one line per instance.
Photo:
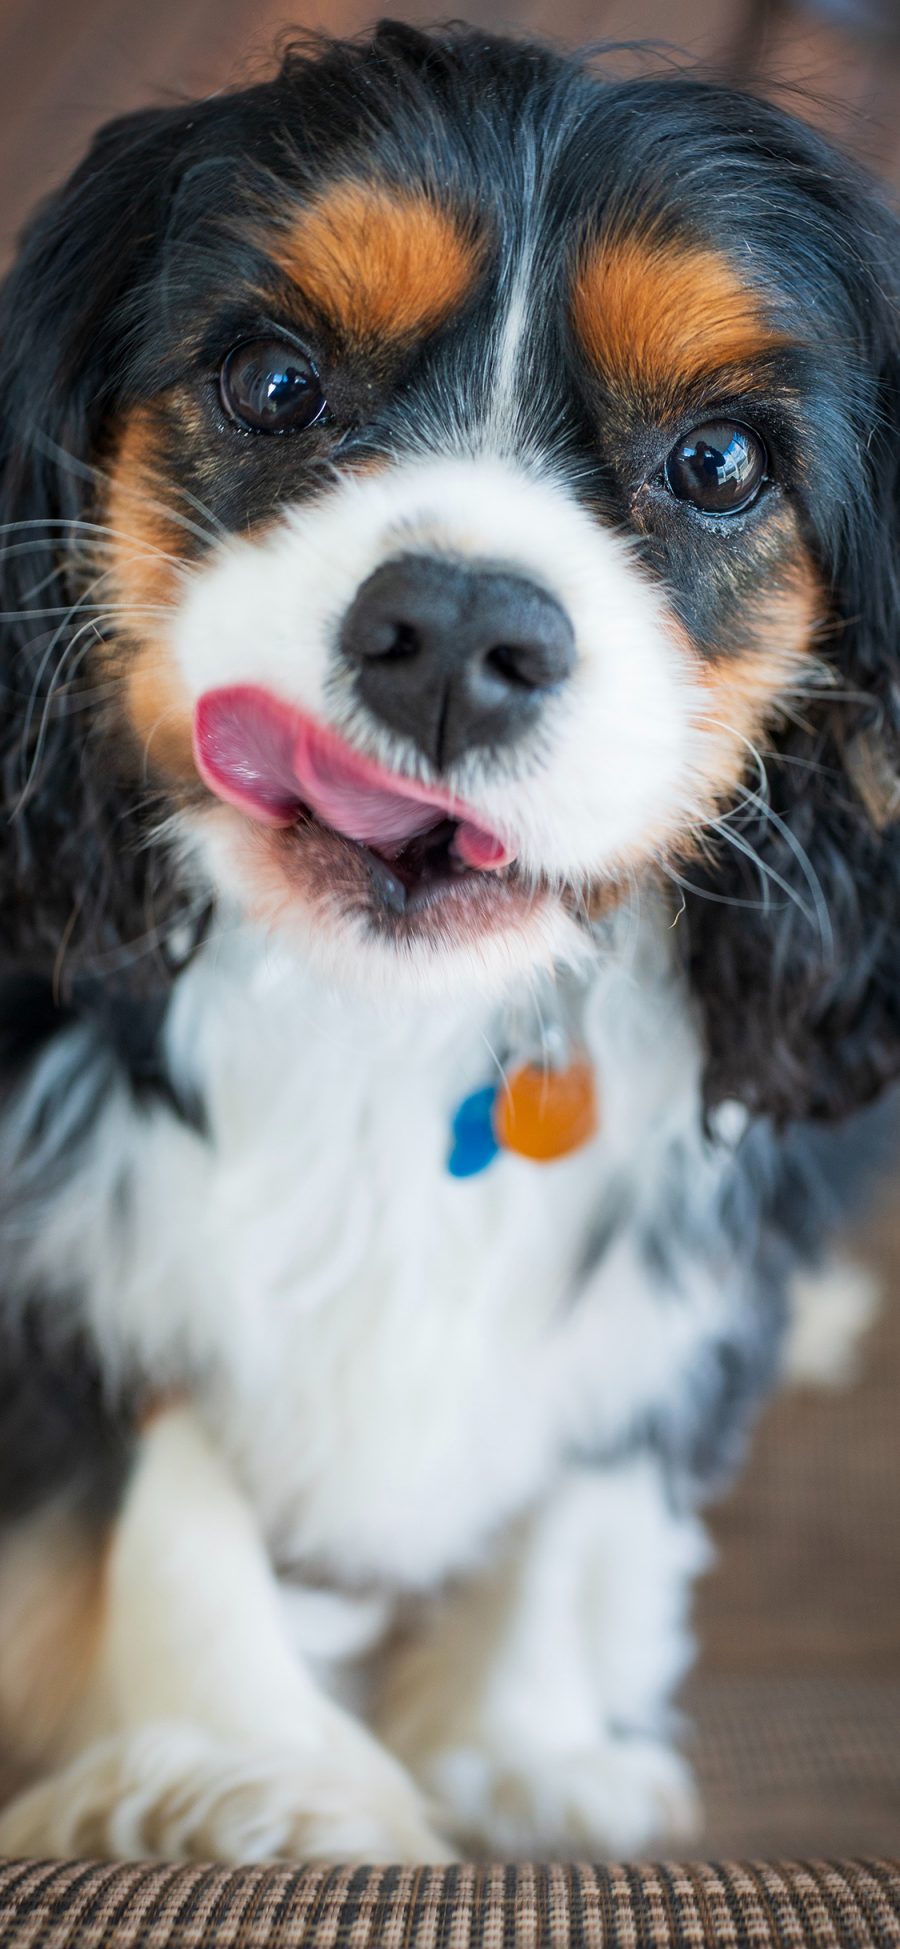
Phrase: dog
(451, 925)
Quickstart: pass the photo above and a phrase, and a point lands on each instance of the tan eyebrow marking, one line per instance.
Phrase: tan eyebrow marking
(655, 315)
(378, 260)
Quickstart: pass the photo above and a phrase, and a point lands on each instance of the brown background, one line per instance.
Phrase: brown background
(796, 1707)
(65, 65)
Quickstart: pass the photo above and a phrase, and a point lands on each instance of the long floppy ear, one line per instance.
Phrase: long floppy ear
(75, 880)
(799, 986)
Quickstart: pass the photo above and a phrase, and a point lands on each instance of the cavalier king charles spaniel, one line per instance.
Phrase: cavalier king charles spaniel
(450, 929)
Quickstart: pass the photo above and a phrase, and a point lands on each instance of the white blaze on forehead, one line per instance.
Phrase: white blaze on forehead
(609, 765)
(521, 296)
(501, 430)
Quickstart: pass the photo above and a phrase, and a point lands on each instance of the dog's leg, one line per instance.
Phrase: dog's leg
(199, 1733)
(533, 1704)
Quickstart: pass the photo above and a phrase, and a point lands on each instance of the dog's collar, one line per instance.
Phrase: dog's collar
(544, 1104)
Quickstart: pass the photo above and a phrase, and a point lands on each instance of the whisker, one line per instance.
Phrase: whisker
(36, 687)
(163, 718)
(740, 737)
(68, 609)
(202, 509)
(41, 738)
(92, 623)
(98, 475)
(45, 581)
(81, 524)
(110, 961)
(496, 1061)
(62, 692)
(817, 915)
(764, 869)
(810, 875)
(707, 893)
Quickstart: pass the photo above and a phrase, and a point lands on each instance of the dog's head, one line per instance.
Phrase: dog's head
(448, 490)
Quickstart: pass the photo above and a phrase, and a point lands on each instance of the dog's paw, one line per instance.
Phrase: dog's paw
(175, 1792)
(618, 1798)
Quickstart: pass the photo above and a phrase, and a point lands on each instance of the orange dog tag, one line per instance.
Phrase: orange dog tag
(546, 1113)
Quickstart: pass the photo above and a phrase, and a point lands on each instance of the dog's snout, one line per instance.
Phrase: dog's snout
(454, 656)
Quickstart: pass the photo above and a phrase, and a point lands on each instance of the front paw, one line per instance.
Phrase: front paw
(176, 1793)
(613, 1800)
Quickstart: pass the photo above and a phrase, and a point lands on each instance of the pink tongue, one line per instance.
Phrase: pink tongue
(257, 753)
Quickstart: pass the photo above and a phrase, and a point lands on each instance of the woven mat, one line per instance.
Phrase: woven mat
(825, 1906)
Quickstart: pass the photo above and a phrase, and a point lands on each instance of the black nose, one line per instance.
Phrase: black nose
(455, 657)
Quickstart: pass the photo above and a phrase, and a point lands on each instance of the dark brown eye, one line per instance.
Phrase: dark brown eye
(269, 386)
(719, 468)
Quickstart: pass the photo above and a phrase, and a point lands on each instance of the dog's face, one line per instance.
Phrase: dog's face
(486, 459)
(460, 530)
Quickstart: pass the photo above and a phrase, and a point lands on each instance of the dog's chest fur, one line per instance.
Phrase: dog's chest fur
(397, 1361)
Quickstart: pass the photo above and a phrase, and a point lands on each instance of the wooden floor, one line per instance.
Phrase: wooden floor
(66, 65)
(797, 1707)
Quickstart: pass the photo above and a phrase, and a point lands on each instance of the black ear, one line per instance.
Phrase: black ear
(799, 991)
(75, 880)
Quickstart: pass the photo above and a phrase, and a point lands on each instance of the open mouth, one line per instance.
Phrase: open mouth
(417, 844)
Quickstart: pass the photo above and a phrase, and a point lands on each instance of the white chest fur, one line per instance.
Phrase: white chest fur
(395, 1360)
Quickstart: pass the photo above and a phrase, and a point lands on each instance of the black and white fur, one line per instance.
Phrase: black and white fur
(398, 1477)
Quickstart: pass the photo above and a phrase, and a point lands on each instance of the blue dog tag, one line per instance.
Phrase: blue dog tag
(474, 1143)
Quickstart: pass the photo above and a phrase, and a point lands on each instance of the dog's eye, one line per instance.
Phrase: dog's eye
(270, 387)
(719, 467)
